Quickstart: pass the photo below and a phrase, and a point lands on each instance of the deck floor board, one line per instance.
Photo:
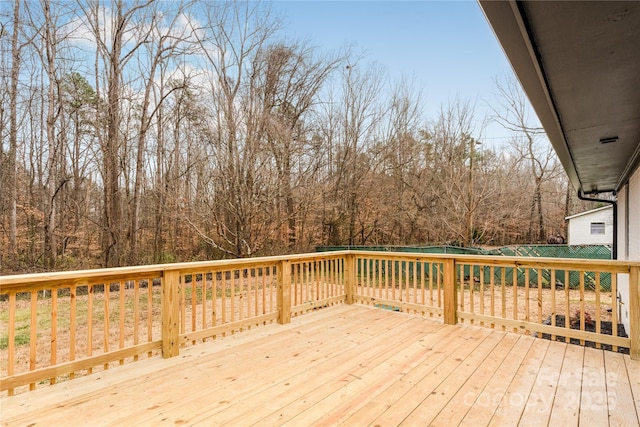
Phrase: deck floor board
(350, 365)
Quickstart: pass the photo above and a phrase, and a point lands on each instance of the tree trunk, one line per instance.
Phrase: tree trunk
(112, 237)
(50, 244)
(541, 231)
(13, 130)
(158, 241)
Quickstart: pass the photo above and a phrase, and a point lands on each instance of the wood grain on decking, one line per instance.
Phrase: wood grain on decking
(351, 365)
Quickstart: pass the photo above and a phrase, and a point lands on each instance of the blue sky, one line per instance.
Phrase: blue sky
(446, 46)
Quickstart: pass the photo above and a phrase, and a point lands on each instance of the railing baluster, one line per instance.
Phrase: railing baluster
(433, 270)
(150, 312)
(598, 307)
(381, 274)
(407, 278)
(194, 303)
(223, 289)
(33, 337)
(72, 325)
(308, 282)
(460, 288)
(107, 320)
(539, 295)
(440, 282)
(90, 291)
(233, 295)
(54, 331)
(332, 277)
(364, 274)
(514, 287)
(264, 291)
(296, 284)
(314, 279)
(121, 313)
(526, 295)
(614, 306)
(136, 313)
(11, 357)
(387, 272)
(567, 307)
(414, 271)
(323, 278)
(481, 268)
(422, 284)
(204, 301)
(256, 293)
(472, 285)
(319, 279)
(582, 319)
(183, 305)
(554, 308)
(214, 299)
(271, 288)
(241, 288)
(492, 282)
(503, 279)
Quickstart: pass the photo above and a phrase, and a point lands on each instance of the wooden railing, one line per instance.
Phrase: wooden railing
(572, 300)
(60, 325)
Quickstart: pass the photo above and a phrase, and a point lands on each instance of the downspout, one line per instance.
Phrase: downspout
(614, 252)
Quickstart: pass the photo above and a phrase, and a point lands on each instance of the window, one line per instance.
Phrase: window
(597, 228)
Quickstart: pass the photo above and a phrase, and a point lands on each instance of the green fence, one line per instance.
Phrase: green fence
(407, 269)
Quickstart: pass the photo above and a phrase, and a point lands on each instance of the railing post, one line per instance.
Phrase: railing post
(350, 277)
(284, 292)
(634, 312)
(170, 309)
(450, 294)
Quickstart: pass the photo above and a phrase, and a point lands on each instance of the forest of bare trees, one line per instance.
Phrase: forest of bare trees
(157, 131)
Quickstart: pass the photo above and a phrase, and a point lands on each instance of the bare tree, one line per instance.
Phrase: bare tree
(51, 40)
(357, 124)
(114, 55)
(401, 160)
(165, 41)
(13, 129)
(236, 34)
(454, 145)
(530, 144)
(289, 78)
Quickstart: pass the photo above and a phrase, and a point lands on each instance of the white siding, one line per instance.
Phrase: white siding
(622, 224)
(628, 237)
(580, 228)
(634, 216)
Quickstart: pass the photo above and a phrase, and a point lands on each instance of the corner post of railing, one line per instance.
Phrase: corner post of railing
(170, 309)
(350, 275)
(450, 294)
(284, 292)
(634, 312)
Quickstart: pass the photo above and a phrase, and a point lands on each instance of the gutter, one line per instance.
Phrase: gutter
(581, 196)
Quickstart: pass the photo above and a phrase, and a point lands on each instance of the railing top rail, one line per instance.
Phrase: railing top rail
(84, 277)
(613, 266)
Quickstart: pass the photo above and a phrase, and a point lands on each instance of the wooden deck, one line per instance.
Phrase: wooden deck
(351, 365)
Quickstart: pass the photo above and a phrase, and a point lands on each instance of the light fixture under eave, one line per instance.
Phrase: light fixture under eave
(608, 140)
